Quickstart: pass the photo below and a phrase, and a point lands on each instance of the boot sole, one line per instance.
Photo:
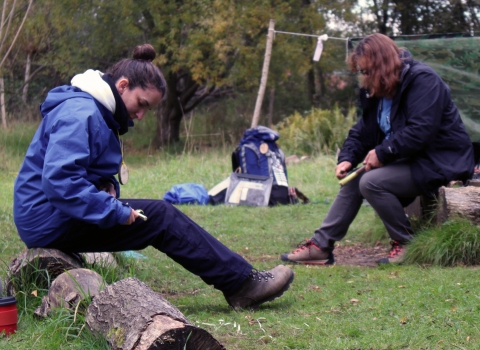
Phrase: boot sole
(274, 296)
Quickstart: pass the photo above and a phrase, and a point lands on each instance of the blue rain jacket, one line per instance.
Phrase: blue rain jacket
(75, 149)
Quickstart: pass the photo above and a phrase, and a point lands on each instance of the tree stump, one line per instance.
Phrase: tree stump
(131, 316)
(38, 267)
(459, 201)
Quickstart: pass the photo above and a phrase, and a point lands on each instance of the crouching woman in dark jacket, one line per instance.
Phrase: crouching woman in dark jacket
(410, 138)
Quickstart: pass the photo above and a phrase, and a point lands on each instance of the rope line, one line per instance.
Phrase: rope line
(311, 35)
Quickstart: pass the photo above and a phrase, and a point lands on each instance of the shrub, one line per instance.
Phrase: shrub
(320, 131)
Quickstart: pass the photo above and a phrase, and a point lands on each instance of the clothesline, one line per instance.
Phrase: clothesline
(311, 35)
(321, 38)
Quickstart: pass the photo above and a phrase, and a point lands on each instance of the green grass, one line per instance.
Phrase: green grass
(339, 307)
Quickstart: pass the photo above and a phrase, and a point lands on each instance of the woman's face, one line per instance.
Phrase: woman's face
(138, 100)
(364, 73)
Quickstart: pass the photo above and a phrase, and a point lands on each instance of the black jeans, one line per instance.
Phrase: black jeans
(170, 231)
(385, 189)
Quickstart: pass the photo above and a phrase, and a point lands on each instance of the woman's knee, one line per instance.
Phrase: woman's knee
(367, 183)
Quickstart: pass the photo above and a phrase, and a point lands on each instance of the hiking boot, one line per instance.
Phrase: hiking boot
(396, 254)
(309, 253)
(261, 286)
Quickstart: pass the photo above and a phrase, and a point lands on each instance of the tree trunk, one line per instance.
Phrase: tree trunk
(133, 317)
(28, 66)
(38, 266)
(459, 201)
(169, 116)
(2, 103)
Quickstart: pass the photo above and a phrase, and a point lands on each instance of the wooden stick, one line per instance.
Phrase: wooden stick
(263, 81)
(351, 176)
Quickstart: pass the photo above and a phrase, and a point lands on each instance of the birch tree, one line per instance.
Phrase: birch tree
(13, 16)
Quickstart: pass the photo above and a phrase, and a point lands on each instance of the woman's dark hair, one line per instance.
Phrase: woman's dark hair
(378, 55)
(140, 71)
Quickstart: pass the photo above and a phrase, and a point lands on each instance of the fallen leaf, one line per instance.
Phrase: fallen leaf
(34, 293)
(468, 338)
(403, 320)
(402, 287)
(354, 300)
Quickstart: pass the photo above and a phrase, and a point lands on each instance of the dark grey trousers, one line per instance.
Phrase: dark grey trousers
(385, 189)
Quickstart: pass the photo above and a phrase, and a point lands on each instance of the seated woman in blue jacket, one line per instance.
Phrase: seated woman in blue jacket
(410, 139)
(67, 198)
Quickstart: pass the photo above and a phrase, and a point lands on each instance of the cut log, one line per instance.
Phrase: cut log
(69, 289)
(102, 260)
(38, 267)
(459, 201)
(131, 316)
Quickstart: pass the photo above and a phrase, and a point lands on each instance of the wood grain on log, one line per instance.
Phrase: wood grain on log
(38, 267)
(131, 316)
(459, 201)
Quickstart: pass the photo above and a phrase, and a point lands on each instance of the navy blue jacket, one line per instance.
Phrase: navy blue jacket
(427, 131)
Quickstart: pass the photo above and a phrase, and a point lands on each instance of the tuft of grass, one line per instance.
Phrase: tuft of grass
(455, 242)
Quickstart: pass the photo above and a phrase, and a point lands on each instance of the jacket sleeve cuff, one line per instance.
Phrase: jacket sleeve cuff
(124, 214)
(382, 157)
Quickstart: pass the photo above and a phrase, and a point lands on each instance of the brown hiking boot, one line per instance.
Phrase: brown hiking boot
(309, 253)
(396, 254)
(261, 286)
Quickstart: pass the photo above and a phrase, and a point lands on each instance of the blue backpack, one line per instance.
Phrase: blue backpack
(258, 154)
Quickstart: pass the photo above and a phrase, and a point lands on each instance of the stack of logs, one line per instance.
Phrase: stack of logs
(127, 313)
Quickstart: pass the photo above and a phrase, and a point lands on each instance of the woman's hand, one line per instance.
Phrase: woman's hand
(342, 169)
(133, 216)
(109, 188)
(371, 161)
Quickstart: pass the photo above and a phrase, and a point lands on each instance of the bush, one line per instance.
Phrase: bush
(456, 242)
(320, 131)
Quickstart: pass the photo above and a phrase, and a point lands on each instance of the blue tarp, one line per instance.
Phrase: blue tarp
(188, 193)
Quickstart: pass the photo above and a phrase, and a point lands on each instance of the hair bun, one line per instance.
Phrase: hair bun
(144, 52)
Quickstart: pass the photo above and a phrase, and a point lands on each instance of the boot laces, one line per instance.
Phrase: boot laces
(396, 249)
(256, 275)
(302, 246)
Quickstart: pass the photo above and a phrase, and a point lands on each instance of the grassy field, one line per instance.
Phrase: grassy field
(339, 307)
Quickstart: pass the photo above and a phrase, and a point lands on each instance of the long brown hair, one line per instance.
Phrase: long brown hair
(378, 55)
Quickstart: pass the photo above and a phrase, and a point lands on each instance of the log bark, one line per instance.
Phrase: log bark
(459, 201)
(69, 289)
(131, 316)
(39, 267)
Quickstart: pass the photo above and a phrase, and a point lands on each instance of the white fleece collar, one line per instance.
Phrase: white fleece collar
(91, 82)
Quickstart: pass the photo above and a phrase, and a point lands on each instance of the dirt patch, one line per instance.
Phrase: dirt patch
(359, 255)
(355, 254)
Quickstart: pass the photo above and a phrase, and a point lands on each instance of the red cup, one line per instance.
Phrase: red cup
(8, 315)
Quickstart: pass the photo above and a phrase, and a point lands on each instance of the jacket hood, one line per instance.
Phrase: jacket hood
(60, 94)
(99, 86)
(91, 82)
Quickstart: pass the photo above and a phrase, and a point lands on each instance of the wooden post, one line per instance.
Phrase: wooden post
(263, 81)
